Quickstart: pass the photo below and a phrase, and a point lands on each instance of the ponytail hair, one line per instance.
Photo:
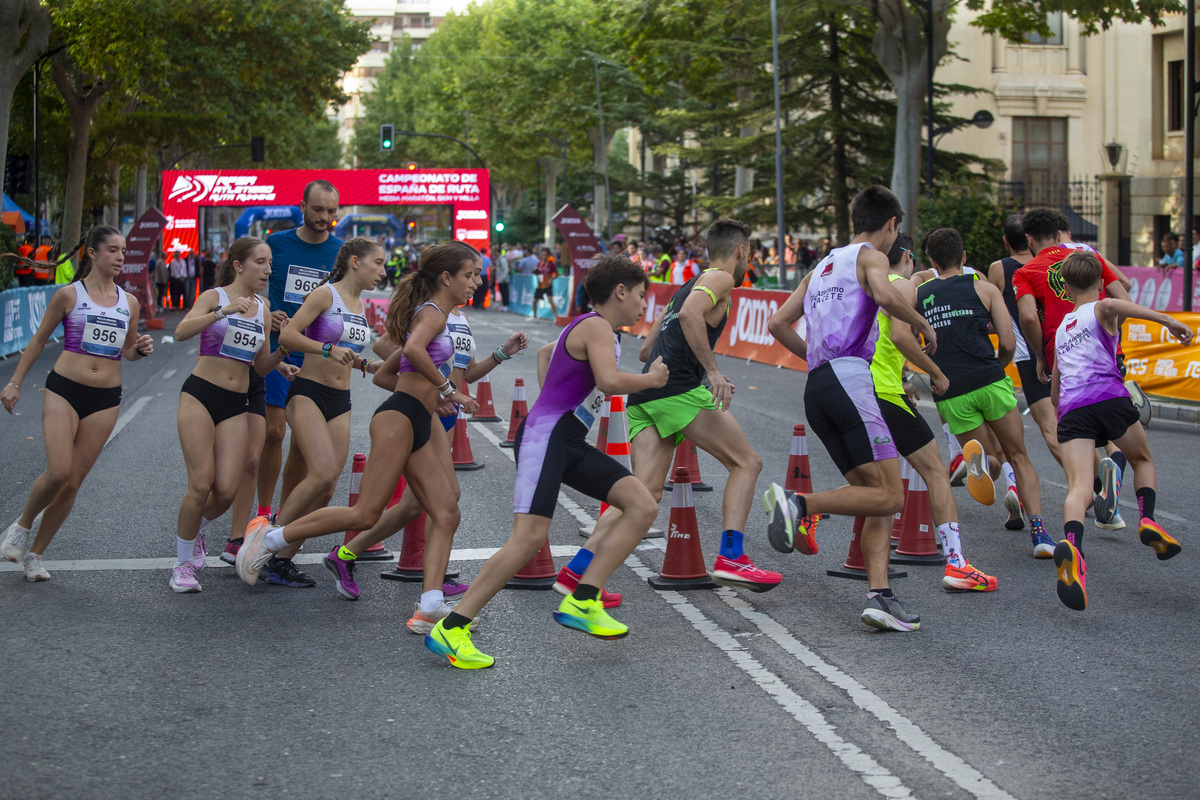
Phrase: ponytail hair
(419, 285)
(92, 240)
(360, 246)
(238, 251)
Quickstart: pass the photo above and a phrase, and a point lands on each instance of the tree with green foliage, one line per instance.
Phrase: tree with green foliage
(24, 37)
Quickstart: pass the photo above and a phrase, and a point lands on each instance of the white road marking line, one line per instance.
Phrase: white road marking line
(804, 712)
(133, 564)
(1158, 512)
(950, 765)
(169, 373)
(127, 417)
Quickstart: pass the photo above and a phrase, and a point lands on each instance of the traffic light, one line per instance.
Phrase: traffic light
(412, 224)
(17, 174)
(499, 226)
(411, 166)
(256, 149)
(387, 137)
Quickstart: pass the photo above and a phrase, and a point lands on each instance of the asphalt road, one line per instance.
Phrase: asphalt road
(118, 687)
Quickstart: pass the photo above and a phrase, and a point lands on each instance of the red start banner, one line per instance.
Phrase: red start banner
(135, 272)
(185, 192)
(745, 334)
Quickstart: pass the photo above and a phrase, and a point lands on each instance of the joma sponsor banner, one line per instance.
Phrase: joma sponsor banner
(21, 311)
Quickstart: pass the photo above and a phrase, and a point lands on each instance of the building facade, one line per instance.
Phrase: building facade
(1058, 101)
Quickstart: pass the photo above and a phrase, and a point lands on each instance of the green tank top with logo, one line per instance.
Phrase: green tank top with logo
(887, 367)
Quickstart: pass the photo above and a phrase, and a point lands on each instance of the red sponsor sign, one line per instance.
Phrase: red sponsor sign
(139, 246)
(581, 246)
(745, 334)
(185, 192)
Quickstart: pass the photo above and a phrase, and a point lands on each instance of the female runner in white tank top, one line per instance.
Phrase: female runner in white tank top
(83, 391)
(232, 324)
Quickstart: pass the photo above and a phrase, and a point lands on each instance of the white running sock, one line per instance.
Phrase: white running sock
(183, 549)
(205, 522)
(274, 540)
(431, 600)
(1010, 478)
(955, 447)
(951, 545)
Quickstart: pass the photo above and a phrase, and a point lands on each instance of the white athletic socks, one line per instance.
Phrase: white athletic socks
(1010, 477)
(183, 549)
(205, 522)
(274, 540)
(951, 545)
(431, 600)
(955, 447)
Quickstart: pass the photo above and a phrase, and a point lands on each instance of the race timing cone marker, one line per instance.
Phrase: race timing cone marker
(602, 429)
(905, 471)
(411, 566)
(683, 565)
(460, 448)
(855, 567)
(918, 540)
(686, 456)
(487, 408)
(799, 474)
(520, 410)
(539, 573)
(376, 552)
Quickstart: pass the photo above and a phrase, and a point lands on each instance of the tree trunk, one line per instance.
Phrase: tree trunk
(81, 99)
(900, 47)
(112, 210)
(139, 192)
(599, 193)
(551, 166)
(743, 177)
(841, 205)
(24, 36)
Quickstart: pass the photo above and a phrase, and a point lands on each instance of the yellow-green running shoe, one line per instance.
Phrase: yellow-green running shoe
(590, 617)
(455, 644)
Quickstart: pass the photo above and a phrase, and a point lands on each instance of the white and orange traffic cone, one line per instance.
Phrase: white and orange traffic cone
(376, 552)
(520, 410)
(683, 565)
(460, 447)
(487, 408)
(918, 540)
(686, 456)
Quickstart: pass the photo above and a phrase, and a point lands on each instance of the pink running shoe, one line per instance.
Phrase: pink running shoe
(229, 554)
(567, 582)
(199, 552)
(183, 578)
(452, 588)
(741, 573)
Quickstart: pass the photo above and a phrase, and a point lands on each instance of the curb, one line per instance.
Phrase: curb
(1174, 413)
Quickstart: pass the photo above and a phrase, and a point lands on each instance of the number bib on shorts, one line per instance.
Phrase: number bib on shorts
(354, 332)
(243, 339)
(103, 335)
(301, 281)
(464, 343)
(590, 408)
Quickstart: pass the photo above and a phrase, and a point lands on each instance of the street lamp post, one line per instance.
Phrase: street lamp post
(778, 140)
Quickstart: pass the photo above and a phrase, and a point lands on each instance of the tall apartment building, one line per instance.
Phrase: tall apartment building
(1059, 101)
(389, 22)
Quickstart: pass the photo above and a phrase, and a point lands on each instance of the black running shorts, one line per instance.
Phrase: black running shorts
(1101, 422)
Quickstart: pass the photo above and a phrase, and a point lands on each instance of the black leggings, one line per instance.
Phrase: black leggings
(85, 400)
(221, 404)
(416, 412)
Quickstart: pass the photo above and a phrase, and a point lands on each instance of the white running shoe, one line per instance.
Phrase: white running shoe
(34, 571)
(183, 578)
(254, 555)
(422, 622)
(17, 541)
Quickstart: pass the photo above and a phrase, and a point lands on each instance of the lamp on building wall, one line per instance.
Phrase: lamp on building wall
(1113, 151)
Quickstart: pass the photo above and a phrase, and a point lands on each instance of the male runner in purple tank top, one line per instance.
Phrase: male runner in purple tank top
(841, 298)
(551, 451)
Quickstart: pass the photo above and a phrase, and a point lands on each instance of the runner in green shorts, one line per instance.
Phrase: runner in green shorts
(659, 419)
(980, 396)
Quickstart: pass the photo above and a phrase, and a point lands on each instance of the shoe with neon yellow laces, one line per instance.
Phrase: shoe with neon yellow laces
(455, 644)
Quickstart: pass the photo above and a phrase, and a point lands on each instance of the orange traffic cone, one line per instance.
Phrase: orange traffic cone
(855, 566)
(460, 448)
(602, 430)
(686, 456)
(905, 471)
(683, 566)
(799, 475)
(539, 573)
(487, 408)
(376, 552)
(616, 444)
(918, 541)
(411, 566)
(520, 410)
